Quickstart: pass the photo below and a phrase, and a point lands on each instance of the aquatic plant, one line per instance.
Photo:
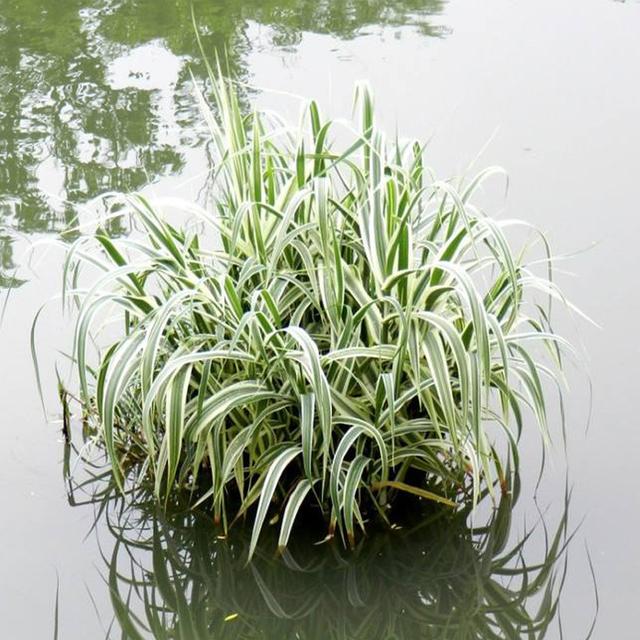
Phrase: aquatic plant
(337, 329)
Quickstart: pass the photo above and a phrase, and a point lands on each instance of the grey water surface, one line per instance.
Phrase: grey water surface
(96, 95)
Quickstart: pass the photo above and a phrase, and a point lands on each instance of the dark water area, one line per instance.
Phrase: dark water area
(98, 96)
(429, 577)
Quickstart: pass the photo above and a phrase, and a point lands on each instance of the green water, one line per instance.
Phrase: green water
(97, 96)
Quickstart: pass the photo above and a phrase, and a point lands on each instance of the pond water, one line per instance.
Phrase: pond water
(96, 95)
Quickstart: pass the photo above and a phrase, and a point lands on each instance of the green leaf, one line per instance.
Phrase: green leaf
(269, 486)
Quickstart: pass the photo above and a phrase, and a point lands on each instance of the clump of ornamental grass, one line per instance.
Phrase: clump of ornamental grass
(336, 329)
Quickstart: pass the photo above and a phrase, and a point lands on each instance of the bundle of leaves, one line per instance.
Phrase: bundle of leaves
(338, 327)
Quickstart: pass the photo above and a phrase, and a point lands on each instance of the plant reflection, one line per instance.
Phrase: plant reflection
(171, 576)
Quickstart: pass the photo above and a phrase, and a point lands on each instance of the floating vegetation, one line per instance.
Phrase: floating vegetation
(339, 329)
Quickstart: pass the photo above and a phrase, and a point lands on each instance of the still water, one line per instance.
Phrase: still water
(97, 95)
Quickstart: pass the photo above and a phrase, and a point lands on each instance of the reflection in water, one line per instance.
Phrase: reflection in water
(8, 280)
(95, 94)
(172, 577)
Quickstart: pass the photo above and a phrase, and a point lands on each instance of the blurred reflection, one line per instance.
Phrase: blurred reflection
(8, 279)
(433, 577)
(95, 94)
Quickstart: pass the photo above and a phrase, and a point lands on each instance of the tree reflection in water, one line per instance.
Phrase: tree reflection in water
(96, 95)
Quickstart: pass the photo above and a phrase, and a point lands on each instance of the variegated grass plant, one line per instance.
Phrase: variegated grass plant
(338, 327)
